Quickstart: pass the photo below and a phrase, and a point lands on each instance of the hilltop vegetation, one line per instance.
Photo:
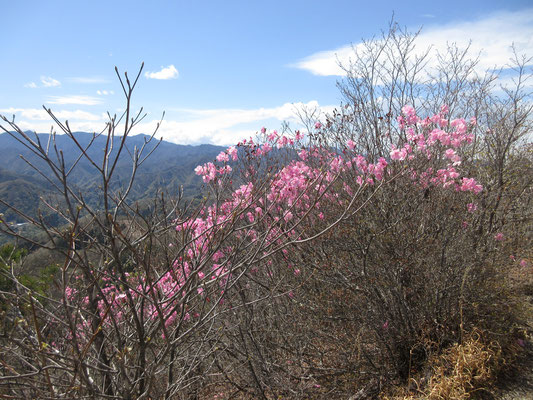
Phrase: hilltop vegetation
(377, 254)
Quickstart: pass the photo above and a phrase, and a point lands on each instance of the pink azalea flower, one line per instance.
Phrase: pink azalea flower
(472, 207)
(398, 154)
(222, 157)
(232, 151)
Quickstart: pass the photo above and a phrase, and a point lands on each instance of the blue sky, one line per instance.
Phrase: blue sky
(220, 69)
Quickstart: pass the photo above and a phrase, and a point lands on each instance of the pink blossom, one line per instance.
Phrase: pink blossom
(410, 113)
(459, 125)
(470, 185)
(401, 121)
(288, 216)
(499, 237)
(232, 151)
(398, 154)
(199, 170)
(251, 217)
(273, 136)
(450, 153)
(266, 148)
(282, 142)
(222, 157)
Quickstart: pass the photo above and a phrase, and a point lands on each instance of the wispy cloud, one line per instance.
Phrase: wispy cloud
(227, 126)
(48, 81)
(104, 92)
(45, 126)
(38, 114)
(88, 79)
(184, 126)
(169, 72)
(491, 37)
(39, 120)
(75, 99)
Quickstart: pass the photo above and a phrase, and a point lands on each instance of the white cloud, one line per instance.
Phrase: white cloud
(169, 72)
(39, 114)
(184, 126)
(226, 126)
(48, 81)
(88, 79)
(490, 36)
(75, 99)
(104, 92)
(38, 120)
(326, 63)
(44, 127)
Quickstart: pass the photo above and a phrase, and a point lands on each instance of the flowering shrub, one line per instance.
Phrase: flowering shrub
(270, 211)
(353, 250)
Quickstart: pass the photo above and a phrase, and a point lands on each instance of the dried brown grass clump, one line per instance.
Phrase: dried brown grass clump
(463, 371)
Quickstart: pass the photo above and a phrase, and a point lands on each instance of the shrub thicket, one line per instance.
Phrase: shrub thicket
(320, 264)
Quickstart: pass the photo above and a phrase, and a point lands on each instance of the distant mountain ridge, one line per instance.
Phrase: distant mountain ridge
(168, 167)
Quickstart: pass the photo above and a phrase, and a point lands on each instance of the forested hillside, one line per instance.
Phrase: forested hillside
(170, 168)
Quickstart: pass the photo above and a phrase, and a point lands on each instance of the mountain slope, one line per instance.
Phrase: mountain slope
(169, 167)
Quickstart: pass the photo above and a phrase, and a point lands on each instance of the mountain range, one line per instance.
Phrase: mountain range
(169, 167)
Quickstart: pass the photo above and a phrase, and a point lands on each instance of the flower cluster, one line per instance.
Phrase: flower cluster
(265, 211)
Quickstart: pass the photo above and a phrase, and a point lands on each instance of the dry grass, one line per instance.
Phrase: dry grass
(463, 371)
(477, 368)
